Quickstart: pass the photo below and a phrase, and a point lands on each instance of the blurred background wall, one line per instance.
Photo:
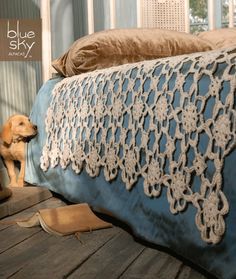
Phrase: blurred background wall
(21, 80)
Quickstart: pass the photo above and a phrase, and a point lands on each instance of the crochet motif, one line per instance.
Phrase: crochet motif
(167, 120)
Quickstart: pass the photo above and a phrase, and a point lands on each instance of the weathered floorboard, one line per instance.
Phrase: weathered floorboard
(13, 235)
(153, 264)
(56, 256)
(23, 197)
(24, 214)
(14, 259)
(111, 260)
(109, 253)
(189, 273)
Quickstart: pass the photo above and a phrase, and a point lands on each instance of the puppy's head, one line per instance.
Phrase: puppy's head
(18, 127)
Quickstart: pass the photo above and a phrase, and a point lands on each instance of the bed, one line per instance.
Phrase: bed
(150, 142)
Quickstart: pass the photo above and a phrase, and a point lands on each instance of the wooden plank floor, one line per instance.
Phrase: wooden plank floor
(109, 253)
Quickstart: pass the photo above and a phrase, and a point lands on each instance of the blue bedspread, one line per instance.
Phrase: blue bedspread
(150, 218)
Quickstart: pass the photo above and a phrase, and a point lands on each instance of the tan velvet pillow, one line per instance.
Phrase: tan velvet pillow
(120, 46)
(220, 38)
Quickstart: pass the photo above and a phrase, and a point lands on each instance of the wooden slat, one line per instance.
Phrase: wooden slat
(56, 256)
(46, 39)
(187, 14)
(153, 264)
(24, 214)
(112, 14)
(231, 13)
(189, 273)
(90, 13)
(48, 203)
(139, 13)
(23, 197)
(211, 14)
(13, 235)
(111, 260)
(109, 253)
(14, 259)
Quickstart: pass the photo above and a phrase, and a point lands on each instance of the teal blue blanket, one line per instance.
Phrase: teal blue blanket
(165, 163)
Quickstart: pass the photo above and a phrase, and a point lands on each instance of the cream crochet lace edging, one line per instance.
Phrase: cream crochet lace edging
(153, 119)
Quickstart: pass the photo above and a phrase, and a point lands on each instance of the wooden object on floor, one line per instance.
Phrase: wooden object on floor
(22, 198)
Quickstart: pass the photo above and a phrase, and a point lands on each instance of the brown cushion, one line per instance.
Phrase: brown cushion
(120, 46)
(220, 38)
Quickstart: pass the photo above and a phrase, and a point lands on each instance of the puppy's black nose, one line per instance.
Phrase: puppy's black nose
(35, 127)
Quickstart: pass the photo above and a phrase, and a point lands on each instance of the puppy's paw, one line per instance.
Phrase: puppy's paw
(13, 184)
(20, 183)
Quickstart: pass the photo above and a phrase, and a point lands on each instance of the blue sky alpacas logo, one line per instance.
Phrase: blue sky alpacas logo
(20, 39)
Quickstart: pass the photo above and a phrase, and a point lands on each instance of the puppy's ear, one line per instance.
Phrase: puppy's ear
(6, 134)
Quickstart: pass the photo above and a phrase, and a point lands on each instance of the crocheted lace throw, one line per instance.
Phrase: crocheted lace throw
(170, 121)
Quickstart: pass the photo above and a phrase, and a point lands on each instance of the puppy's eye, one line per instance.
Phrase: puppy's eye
(21, 123)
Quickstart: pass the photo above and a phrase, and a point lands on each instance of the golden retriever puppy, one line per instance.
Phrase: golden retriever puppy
(16, 132)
